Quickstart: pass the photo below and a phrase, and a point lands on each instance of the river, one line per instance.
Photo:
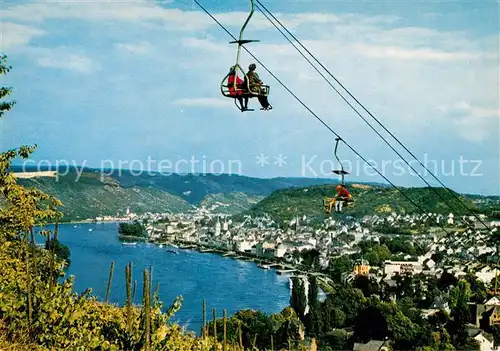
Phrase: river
(225, 283)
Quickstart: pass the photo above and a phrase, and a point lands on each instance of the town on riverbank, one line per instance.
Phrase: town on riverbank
(389, 255)
(376, 246)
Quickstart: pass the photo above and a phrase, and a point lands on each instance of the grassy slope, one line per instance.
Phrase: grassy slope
(284, 204)
(89, 197)
(237, 202)
(194, 188)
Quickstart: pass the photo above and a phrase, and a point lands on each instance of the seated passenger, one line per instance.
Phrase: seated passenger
(343, 195)
(328, 203)
(254, 83)
(230, 82)
(231, 85)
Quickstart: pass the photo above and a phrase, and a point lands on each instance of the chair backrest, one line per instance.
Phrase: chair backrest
(230, 83)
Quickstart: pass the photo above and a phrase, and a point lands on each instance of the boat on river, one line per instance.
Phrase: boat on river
(129, 244)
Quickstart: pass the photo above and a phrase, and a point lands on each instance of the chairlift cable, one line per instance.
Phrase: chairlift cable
(369, 113)
(425, 213)
(358, 113)
(319, 118)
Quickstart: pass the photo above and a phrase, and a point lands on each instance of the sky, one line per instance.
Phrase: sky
(136, 84)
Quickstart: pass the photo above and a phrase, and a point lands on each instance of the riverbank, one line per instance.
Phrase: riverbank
(89, 221)
(131, 238)
(223, 283)
(282, 267)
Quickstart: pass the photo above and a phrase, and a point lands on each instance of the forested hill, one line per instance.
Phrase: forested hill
(284, 204)
(194, 187)
(91, 194)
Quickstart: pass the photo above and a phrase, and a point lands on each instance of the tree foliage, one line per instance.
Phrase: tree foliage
(38, 311)
(5, 106)
(132, 229)
(61, 251)
(257, 329)
(298, 298)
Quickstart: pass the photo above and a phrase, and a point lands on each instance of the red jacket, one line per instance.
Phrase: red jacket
(343, 193)
(230, 84)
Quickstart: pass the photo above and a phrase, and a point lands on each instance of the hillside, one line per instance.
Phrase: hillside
(487, 204)
(284, 204)
(281, 197)
(231, 203)
(93, 195)
(89, 197)
(194, 188)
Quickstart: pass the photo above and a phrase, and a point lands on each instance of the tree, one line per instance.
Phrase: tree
(289, 331)
(375, 253)
(41, 312)
(370, 324)
(432, 289)
(22, 208)
(495, 331)
(439, 319)
(373, 258)
(335, 340)
(446, 281)
(404, 285)
(298, 299)
(382, 251)
(297, 256)
(478, 289)
(132, 229)
(310, 258)
(338, 266)
(350, 300)
(332, 316)
(438, 256)
(313, 318)
(439, 340)
(366, 285)
(459, 298)
(61, 250)
(5, 106)
(404, 331)
(346, 238)
(254, 323)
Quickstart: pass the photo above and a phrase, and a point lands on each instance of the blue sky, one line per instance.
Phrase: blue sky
(97, 83)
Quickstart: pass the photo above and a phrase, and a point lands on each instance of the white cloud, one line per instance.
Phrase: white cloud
(73, 62)
(463, 108)
(405, 53)
(401, 73)
(207, 45)
(204, 102)
(471, 129)
(17, 35)
(141, 48)
(137, 11)
(473, 123)
(149, 13)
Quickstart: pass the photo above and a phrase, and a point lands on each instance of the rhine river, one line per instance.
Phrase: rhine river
(223, 282)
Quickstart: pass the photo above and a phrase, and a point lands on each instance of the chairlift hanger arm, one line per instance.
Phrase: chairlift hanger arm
(240, 40)
(252, 9)
(340, 172)
(335, 152)
(243, 41)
